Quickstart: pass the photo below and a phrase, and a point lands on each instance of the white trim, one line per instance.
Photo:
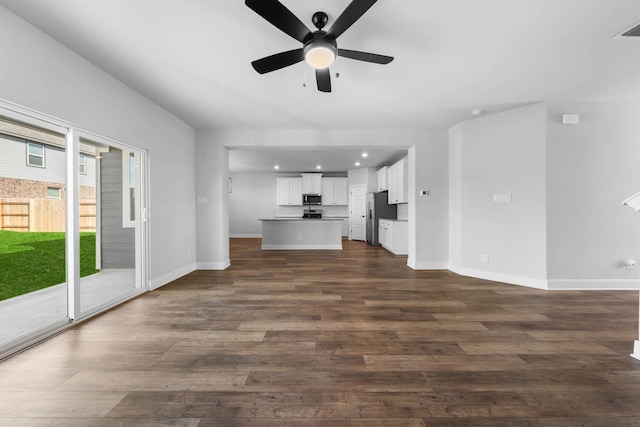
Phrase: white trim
(636, 349)
(23, 342)
(301, 247)
(31, 117)
(72, 230)
(245, 236)
(427, 265)
(169, 277)
(223, 265)
(594, 285)
(511, 279)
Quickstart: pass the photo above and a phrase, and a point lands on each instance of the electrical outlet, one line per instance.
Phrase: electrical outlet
(631, 264)
(485, 258)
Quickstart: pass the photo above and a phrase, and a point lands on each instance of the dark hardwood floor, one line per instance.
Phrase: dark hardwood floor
(350, 338)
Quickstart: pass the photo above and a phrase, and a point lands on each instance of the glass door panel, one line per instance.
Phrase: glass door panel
(33, 290)
(110, 224)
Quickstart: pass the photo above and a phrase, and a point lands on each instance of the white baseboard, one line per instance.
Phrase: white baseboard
(636, 349)
(594, 285)
(427, 265)
(157, 282)
(301, 247)
(245, 236)
(528, 282)
(222, 265)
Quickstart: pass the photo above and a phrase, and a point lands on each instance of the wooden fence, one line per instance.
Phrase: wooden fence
(42, 215)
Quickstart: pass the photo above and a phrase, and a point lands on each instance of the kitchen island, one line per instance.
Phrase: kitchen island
(301, 234)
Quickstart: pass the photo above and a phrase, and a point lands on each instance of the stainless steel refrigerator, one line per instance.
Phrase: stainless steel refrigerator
(377, 207)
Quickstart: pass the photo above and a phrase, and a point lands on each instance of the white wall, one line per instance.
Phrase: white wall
(501, 154)
(591, 168)
(212, 214)
(565, 228)
(47, 77)
(253, 197)
(428, 215)
(455, 197)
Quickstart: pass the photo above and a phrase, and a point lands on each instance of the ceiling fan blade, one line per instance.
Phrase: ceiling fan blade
(278, 61)
(281, 17)
(351, 14)
(323, 77)
(364, 56)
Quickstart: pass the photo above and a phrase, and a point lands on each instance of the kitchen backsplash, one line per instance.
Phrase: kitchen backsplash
(296, 211)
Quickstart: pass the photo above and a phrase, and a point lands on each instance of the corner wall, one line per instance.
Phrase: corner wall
(591, 168)
(47, 77)
(498, 154)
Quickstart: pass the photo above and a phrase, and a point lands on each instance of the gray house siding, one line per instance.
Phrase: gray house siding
(118, 242)
(13, 163)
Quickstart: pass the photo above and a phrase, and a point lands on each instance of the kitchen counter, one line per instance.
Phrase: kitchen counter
(301, 234)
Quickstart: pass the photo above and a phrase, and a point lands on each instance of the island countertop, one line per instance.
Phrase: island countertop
(301, 219)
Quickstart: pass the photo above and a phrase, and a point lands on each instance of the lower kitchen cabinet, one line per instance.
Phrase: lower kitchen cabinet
(394, 236)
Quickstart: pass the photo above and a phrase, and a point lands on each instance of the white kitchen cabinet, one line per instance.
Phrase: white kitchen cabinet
(382, 179)
(394, 236)
(334, 191)
(311, 183)
(289, 191)
(397, 177)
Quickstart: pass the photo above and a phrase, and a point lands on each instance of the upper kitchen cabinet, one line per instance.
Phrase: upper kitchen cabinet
(311, 183)
(398, 177)
(289, 191)
(334, 191)
(382, 179)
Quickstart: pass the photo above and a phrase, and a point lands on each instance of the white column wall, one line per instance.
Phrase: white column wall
(455, 198)
(428, 215)
(502, 153)
(41, 74)
(212, 192)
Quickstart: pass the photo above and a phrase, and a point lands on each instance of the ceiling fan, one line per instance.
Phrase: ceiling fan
(320, 48)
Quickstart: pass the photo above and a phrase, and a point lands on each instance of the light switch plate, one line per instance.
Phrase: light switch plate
(502, 198)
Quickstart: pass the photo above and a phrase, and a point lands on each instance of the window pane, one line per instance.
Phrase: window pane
(33, 290)
(38, 150)
(53, 193)
(36, 160)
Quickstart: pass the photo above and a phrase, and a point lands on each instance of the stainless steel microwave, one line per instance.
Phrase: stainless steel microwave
(312, 199)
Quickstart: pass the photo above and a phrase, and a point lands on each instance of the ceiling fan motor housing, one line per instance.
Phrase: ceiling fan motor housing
(319, 20)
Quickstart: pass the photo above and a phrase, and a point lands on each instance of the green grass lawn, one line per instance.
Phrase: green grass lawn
(33, 261)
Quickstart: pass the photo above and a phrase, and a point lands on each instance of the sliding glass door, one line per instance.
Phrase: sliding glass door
(72, 227)
(33, 289)
(110, 223)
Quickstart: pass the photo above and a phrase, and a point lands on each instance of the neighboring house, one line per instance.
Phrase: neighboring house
(32, 180)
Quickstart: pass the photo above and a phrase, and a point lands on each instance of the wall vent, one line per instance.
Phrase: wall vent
(631, 32)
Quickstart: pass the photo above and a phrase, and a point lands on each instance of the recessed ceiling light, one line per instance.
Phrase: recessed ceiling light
(318, 167)
(276, 167)
(365, 154)
(357, 163)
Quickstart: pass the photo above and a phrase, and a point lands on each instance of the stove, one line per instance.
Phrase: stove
(312, 214)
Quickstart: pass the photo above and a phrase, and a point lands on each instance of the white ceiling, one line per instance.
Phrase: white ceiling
(193, 57)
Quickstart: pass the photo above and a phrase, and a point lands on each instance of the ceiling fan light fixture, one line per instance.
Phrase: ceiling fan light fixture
(319, 55)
